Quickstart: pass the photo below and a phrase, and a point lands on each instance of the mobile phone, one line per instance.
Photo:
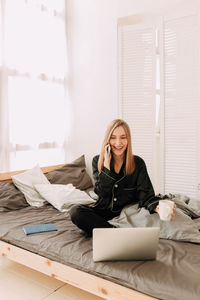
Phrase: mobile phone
(109, 149)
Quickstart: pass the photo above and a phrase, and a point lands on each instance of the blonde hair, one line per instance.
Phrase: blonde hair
(130, 164)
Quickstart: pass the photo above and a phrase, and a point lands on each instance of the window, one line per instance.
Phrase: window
(35, 70)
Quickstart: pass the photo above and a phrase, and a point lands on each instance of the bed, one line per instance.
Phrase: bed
(66, 254)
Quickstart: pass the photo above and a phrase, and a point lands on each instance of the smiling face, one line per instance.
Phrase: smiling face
(118, 141)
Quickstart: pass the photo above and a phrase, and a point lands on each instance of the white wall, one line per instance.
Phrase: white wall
(92, 46)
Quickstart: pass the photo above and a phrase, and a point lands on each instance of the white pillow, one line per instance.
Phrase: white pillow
(63, 196)
(25, 183)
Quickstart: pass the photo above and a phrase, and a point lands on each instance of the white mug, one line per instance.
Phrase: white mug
(165, 209)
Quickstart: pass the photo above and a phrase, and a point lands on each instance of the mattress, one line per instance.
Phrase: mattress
(173, 275)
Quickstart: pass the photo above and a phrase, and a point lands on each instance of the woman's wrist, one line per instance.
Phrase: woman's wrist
(106, 164)
(156, 209)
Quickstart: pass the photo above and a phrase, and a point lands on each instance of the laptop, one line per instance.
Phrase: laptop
(125, 243)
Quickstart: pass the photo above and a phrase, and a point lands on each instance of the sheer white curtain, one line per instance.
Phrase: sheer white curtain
(4, 129)
(34, 107)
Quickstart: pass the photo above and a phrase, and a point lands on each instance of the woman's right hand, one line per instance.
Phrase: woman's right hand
(107, 157)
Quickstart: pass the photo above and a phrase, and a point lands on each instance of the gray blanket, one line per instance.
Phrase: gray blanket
(184, 227)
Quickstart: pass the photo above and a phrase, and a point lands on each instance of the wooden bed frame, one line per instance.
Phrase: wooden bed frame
(85, 281)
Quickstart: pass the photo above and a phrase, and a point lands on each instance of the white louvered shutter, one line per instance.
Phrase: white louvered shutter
(137, 91)
(182, 105)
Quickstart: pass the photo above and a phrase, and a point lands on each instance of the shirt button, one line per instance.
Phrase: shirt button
(115, 199)
(116, 185)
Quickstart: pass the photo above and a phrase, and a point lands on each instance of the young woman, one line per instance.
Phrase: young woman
(120, 177)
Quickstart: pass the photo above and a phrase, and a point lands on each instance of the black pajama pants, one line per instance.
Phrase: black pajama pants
(87, 217)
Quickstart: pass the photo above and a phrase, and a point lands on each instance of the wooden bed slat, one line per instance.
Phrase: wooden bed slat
(6, 176)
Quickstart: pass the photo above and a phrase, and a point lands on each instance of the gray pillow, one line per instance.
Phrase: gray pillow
(74, 173)
(10, 197)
